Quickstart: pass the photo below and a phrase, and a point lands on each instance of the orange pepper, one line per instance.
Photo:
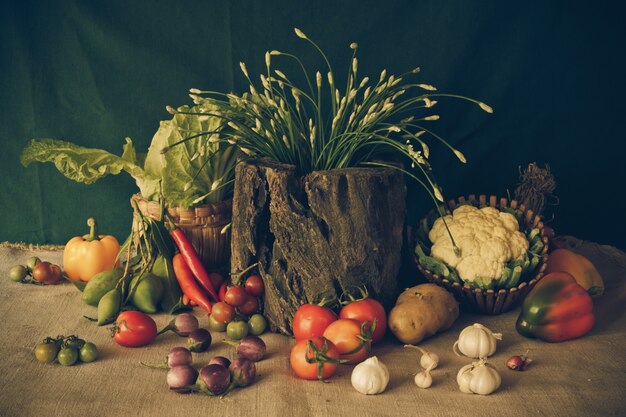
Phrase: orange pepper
(85, 256)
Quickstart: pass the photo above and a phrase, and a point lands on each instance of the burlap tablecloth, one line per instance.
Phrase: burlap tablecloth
(583, 377)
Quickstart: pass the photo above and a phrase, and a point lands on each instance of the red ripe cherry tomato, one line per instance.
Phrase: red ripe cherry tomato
(250, 307)
(235, 296)
(222, 312)
(255, 286)
(346, 335)
(326, 354)
(367, 310)
(222, 292)
(311, 320)
(134, 329)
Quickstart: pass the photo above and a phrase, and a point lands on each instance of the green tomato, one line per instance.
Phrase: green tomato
(88, 353)
(32, 261)
(46, 352)
(237, 330)
(18, 273)
(257, 324)
(216, 326)
(67, 356)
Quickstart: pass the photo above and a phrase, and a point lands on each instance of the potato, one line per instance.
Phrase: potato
(422, 311)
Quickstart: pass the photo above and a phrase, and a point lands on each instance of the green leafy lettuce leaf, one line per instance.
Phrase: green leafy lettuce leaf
(196, 167)
(88, 165)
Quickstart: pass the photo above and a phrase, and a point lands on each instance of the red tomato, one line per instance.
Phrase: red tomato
(236, 296)
(301, 351)
(222, 292)
(134, 329)
(311, 320)
(367, 310)
(250, 307)
(223, 312)
(255, 286)
(345, 333)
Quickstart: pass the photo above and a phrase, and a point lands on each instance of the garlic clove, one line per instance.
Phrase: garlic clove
(423, 379)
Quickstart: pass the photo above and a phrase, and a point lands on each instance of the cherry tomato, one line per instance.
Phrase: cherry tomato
(235, 296)
(222, 292)
(237, 330)
(46, 352)
(32, 261)
(257, 324)
(367, 310)
(18, 273)
(251, 306)
(88, 353)
(47, 273)
(134, 329)
(222, 312)
(67, 356)
(311, 320)
(216, 326)
(216, 279)
(327, 354)
(346, 335)
(254, 286)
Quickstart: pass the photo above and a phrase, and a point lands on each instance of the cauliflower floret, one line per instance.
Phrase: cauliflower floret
(487, 238)
(476, 266)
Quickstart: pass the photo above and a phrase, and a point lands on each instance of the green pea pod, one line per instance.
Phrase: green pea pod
(109, 306)
(146, 293)
(99, 285)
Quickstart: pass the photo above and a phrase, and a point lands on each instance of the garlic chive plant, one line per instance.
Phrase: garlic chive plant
(318, 126)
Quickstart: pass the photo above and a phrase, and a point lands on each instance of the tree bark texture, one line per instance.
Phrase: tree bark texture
(317, 235)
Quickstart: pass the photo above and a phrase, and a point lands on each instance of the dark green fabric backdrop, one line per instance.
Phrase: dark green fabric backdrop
(94, 72)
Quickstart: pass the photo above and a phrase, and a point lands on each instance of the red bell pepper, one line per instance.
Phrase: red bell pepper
(557, 309)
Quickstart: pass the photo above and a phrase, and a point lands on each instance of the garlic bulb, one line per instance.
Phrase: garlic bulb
(478, 378)
(370, 376)
(424, 379)
(477, 341)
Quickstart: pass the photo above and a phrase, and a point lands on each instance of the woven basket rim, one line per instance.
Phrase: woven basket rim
(529, 215)
(196, 216)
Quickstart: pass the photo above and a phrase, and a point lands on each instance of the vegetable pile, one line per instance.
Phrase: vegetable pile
(67, 351)
(36, 272)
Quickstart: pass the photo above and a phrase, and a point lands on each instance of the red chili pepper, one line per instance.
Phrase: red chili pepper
(188, 283)
(191, 258)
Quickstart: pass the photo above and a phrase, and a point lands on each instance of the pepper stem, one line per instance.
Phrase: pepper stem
(93, 229)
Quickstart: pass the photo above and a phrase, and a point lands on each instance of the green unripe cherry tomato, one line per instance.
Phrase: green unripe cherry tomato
(46, 352)
(18, 273)
(216, 326)
(88, 353)
(237, 330)
(32, 261)
(67, 356)
(257, 324)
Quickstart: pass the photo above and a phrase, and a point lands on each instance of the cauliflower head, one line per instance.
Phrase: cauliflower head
(487, 237)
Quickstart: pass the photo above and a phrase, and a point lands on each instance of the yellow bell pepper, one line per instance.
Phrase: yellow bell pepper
(85, 256)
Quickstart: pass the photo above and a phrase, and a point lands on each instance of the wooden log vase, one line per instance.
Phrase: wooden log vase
(317, 234)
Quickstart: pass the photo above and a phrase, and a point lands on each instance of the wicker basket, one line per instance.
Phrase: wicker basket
(201, 224)
(492, 302)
